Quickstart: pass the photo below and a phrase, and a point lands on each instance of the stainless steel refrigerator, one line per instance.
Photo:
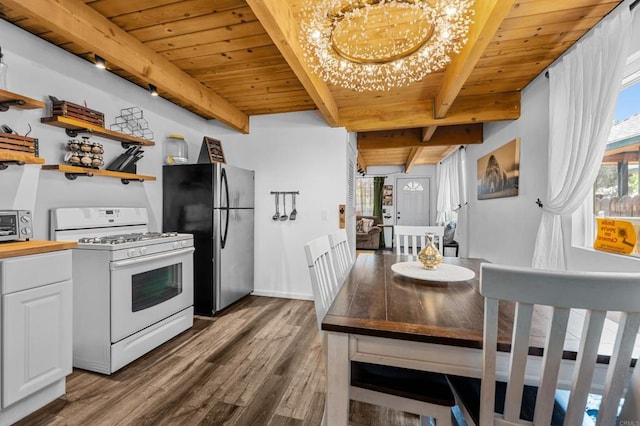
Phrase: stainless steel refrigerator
(215, 203)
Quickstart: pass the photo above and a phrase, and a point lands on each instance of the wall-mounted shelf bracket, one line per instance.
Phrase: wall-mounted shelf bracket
(5, 164)
(74, 176)
(4, 106)
(10, 99)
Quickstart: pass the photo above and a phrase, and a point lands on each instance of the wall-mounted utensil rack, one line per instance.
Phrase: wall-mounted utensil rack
(284, 216)
(285, 192)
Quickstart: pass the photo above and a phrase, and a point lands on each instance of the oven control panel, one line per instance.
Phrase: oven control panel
(150, 249)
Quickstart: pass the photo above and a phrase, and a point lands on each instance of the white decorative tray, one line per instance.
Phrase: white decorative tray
(445, 272)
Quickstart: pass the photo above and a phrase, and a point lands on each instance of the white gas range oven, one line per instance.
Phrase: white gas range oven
(132, 289)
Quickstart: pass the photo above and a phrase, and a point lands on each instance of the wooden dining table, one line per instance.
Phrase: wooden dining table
(382, 317)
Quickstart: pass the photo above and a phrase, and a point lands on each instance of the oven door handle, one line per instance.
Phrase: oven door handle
(142, 259)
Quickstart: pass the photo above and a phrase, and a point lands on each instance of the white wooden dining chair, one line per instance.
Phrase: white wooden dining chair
(595, 293)
(411, 239)
(324, 281)
(423, 393)
(341, 253)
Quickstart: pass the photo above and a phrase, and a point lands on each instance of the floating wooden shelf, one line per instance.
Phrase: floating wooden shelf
(13, 157)
(13, 100)
(75, 126)
(72, 172)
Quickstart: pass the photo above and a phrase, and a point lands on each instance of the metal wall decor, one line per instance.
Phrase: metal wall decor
(131, 122)
(284, 216)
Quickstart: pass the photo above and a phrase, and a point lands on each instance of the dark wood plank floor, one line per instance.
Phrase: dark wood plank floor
(257, 363)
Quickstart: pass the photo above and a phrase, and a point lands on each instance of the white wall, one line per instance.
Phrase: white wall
(503, 230)
(289, 152)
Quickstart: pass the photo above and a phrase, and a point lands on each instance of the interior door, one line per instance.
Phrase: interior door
(413, 201)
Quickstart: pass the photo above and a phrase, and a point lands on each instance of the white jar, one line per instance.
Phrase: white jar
(176, 150)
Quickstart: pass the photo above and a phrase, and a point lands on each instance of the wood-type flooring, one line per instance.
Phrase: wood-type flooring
(257, 363)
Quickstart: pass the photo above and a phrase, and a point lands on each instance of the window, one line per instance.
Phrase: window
(413, 186)
(616, 192)
(364, 196)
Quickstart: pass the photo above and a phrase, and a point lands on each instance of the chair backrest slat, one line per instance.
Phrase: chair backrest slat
(595, 293)
(618, 370)
(583, 372)
(490, 343)
(324, 281)
(553, 349)
(409, 240)
(518, 361)
(341, 253)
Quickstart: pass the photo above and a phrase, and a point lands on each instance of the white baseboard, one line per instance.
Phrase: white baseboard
(284, 295)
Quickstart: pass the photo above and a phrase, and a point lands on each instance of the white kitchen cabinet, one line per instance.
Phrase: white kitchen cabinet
(36, 344)
(36, 330)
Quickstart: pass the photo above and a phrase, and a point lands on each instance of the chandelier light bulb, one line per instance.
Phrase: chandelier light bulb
(373, 45)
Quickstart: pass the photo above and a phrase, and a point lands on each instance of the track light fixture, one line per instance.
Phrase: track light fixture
(100, 63)
(153, 90)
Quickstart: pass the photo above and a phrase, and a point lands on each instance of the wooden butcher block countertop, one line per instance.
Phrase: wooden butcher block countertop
(22, 248)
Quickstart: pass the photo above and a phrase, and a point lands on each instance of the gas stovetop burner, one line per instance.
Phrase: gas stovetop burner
(126, 238)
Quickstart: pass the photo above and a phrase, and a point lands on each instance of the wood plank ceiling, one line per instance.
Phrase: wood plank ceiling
(232, 59)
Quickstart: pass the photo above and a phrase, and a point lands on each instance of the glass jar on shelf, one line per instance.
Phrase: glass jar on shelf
(175, 150)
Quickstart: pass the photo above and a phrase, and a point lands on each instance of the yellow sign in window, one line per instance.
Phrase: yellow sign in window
(616, 236)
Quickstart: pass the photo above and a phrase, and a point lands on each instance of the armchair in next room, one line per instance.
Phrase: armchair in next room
(368, 232)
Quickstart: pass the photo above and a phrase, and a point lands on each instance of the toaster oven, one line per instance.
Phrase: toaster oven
(15, 225)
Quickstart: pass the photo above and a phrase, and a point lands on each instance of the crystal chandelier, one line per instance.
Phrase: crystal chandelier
(368, 45)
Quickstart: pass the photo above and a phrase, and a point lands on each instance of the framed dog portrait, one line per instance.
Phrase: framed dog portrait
(499, 172)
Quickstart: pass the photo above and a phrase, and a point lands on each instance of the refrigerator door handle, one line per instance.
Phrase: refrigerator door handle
(223, 242)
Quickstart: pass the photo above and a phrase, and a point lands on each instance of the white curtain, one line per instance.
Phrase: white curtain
(584, 88)
(364, 196)
(450, 186)
(448, 190)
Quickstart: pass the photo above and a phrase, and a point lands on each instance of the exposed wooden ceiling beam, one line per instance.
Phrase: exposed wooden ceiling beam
(404, 115)
(427, 133)
(281, 26)
(446, 135)
(84, 26)
(412, 159)
(361, 162)
(487, 19)
(449, 151)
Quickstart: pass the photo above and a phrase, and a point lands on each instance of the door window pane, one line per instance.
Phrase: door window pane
(413, 186)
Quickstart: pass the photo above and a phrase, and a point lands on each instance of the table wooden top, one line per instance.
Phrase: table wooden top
(375, 301)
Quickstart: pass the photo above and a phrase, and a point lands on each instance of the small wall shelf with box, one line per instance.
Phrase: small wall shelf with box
(16, 149)
(72, 173)
(13, 100)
